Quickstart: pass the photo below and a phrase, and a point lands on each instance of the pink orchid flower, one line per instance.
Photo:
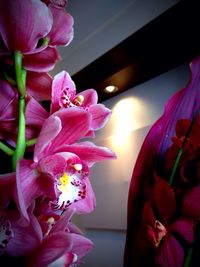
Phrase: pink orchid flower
(45, 238)
(64, 96)
(23, 24)
(57, 171)
(183, 104)
(60, 242)
(43, 28)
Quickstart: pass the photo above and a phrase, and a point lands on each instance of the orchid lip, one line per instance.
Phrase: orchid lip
(67, 101)
(70, 188)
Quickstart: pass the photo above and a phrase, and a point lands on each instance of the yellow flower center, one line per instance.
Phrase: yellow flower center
(64, 182)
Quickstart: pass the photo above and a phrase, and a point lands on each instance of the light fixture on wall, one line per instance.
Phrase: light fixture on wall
(111, 89)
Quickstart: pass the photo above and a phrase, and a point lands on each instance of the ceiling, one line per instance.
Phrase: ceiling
(166, 42)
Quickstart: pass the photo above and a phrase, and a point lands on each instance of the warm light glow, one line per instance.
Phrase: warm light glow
(125, 119)
(111, 89)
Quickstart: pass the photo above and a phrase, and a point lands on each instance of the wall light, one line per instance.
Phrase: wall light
(111, 89)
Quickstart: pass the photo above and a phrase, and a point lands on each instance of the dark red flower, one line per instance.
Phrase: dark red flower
(151, 159)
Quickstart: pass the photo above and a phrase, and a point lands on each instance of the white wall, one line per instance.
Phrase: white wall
(107, 224)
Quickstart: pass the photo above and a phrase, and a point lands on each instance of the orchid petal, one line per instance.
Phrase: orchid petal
(190, 204)
(39, 85)
(50, 130)
(35, 117)
(81, 245)
(7, 184)
(164, 199)
(100, 116)
(53, 165)
(148, 217)
(62, 223)
(170, 253)
(30, 186)
(88, 152)
(23, 23)
(42, 61)
(62, 30)
(8, 111)
(26, 238)
(184, 227)
(90, 97)
(75, 124)
(52, 248)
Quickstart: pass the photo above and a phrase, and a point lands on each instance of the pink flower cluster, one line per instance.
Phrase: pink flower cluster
(164, 197)
(50, 182)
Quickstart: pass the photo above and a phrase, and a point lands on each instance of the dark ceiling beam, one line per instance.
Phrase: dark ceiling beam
(165, 43)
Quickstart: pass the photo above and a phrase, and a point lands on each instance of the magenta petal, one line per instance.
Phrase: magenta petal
(50, 130)
(39, 85)
(62, 223)
(30, 186)
(8, 96)
(62, 30)
(148, 217)
(52, 248)
(7, 184)
(53, 165)
(8, 110)
(90, 97)
(170, 253)
(88, 152)
(35, 117)
(62, 81)
(75, 124)
(100, 116)
(164, 199)
(42, 61)
(26, 237)
(35, 113)
(184, 227)
(191, 203)
(81, 245)
(23, 23)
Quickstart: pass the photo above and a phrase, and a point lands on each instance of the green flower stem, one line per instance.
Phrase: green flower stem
(18, 72)
(188, 257)
(31, 142)
(21, 139)
(181, 149)
(21, 86)
(6, 149)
